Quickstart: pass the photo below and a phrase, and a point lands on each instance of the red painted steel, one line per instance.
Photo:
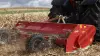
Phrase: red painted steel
(45, 27)
(80, 36)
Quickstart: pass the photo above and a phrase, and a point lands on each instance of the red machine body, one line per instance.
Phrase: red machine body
(75, 35)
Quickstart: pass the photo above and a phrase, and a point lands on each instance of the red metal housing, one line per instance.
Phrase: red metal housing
(81, 35)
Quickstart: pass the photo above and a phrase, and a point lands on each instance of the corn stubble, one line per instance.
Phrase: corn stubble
(16, 46)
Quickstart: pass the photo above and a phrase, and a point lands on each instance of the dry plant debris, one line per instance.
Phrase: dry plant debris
(17, 48)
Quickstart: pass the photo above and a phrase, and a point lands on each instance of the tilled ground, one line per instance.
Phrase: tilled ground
(17, 47)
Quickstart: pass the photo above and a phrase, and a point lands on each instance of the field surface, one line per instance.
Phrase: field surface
(22, 10)
(17, 48)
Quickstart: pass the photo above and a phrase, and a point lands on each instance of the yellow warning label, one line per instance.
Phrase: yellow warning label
(84, 26)
(80, 25)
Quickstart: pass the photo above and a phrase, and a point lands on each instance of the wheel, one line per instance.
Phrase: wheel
(54, 11)
(58, 2)
(87, 12)
(36, 43)
(90, 14)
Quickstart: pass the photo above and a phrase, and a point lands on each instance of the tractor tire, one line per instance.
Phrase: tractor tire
(36, 43)
(54, 11)
(90, 14)
(87, 14)
(58, 2)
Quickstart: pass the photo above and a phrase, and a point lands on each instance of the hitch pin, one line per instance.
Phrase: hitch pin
(61, 18)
